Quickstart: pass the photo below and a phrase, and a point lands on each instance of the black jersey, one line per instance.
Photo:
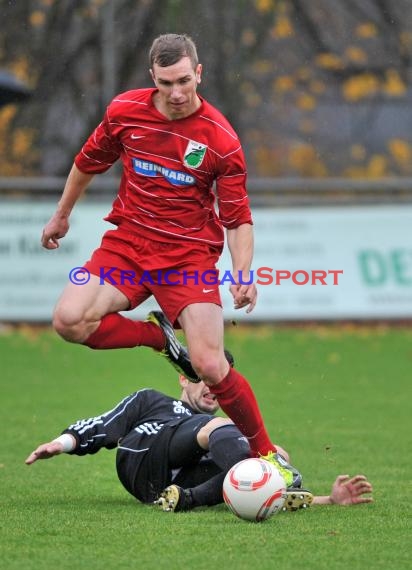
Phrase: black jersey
(141, 427)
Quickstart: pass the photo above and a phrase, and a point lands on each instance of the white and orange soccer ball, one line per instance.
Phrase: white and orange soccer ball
(254, 489)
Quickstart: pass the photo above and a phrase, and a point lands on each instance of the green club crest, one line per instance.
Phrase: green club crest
(194, 154)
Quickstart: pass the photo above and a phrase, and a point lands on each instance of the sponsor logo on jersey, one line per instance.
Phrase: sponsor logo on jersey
(194, 154)
(175, 177)
(179, 408)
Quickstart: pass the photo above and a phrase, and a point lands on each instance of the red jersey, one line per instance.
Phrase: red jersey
(169, 169)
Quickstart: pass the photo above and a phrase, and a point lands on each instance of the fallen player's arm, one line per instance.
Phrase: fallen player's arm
(88, 436)
(347, 491)
(62, 444)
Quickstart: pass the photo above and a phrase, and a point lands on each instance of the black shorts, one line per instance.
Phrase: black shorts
(183, 446)
(170, 456)
(191, 464)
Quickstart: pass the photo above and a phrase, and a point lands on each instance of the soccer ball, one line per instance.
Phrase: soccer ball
(254, 489)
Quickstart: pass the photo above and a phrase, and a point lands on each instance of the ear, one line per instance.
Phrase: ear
(198, 73)
(183, 381)
(152, 76)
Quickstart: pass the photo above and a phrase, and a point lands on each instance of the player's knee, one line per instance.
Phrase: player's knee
(68, 324)
(204, 433)
(209, 368)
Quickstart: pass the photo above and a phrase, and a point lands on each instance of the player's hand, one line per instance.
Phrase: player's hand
(56, 228)
(244, 296)
(282, 452)
(351, 490)
(45, 451)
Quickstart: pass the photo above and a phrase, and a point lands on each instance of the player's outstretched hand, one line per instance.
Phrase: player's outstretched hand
(45, 451)
(351, 490)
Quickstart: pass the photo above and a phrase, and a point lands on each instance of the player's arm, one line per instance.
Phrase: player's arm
(58, 225)
(88, 436)
(97, 155)
(240, 241)
(347, 491)
(64, 443)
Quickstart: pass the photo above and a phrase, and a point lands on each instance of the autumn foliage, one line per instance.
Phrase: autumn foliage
(315, 89)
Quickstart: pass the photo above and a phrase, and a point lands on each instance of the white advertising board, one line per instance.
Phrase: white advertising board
(370, 245)
(361, 256)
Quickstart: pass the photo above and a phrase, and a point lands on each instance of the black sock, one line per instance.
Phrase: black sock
(228, 446)
(208, 493)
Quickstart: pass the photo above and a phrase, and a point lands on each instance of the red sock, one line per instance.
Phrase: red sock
(116, 331)
(237, 400)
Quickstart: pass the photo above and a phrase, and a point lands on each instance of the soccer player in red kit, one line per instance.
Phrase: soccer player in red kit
(174, 146)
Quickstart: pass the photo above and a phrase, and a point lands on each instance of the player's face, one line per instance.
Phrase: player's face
(198, 396)
(176, 97)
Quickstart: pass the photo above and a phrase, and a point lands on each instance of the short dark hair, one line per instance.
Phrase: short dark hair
(168, 49)
(229, 358)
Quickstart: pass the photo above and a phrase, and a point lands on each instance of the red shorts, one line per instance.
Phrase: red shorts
(176, 274)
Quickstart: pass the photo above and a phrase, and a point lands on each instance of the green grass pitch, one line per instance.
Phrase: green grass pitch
(338, 398)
